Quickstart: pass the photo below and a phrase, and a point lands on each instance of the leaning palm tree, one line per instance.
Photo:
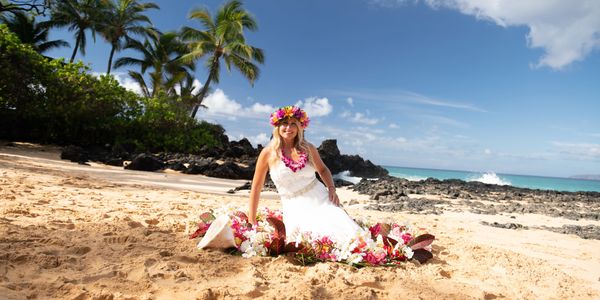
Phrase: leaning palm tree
(124, 18)
(222, 38)
(161, 55)
(79, 16)
(30, 32)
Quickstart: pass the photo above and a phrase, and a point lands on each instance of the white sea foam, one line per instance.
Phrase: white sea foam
(413, 178)
(345, 175)
(490, 178)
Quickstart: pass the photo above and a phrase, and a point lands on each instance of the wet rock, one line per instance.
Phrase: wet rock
(505, 225)
(145, 162)
(229, 170)
(585, 232)
(200, 167)
(74, 154)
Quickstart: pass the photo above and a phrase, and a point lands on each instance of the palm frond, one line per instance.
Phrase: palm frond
(128, 61)
(203, 15)
(43, 47)
(137, 77)
(246, 68)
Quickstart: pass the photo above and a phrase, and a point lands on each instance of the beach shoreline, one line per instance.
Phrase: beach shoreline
(76, 231)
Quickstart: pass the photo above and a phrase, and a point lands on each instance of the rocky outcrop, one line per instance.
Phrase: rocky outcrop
(481, 198)
(145, 162)
(74, 154)
(337, 162)
(234, 161)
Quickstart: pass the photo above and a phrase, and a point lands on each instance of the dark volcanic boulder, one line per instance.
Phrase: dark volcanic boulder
(229, 170)
(117, 162)
(74, 154)
(177, 166)
(200, 167)
(207, 151)
(336, 162)
(330, 148)
(145, 162)
(341, 183)
(238, 149)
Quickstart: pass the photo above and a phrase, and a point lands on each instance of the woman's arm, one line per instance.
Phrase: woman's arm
(325, 175)
(258, 181)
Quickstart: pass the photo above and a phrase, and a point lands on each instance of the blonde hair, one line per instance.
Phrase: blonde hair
(299, 142)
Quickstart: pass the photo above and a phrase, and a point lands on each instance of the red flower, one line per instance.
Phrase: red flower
(375, 230)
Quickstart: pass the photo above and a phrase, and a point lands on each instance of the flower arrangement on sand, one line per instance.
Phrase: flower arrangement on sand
(378, 244)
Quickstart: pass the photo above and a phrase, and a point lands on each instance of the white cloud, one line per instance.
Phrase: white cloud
(361, 118)
(567, 31)
(262, 108)
(350, 101)
(393, 126)
(219, 103)
(487, 151)
(124, 80)
(579, 151)
(394, 97)
(315, 107)
(444, 121)
(196, 84)
(261, 138)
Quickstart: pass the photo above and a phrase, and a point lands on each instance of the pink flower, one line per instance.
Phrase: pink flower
(375, 257)
(375, 229)
(406, 238)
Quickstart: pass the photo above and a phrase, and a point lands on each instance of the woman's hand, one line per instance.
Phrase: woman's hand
(333, 197)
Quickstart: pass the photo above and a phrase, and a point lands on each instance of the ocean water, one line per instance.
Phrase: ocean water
(532, 182)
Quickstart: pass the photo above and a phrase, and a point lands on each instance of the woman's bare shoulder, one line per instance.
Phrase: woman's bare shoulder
(311, 146)
(267, 153)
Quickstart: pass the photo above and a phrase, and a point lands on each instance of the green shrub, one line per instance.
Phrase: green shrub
(51, 101)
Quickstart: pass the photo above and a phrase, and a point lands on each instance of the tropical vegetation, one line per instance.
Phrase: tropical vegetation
(223, 38)
(31, 32)
(122, 19)
(50, 100)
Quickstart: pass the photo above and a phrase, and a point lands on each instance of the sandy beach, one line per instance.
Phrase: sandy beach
(71, 231)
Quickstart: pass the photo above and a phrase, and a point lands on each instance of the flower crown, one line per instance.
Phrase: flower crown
(290, 112)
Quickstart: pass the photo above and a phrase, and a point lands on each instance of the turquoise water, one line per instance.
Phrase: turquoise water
(532, 182)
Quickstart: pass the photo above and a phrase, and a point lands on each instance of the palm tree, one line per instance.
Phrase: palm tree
(222, 37)
(161, 54)
(79, 16)
(122, 18)
(31, 32)
(187, 97)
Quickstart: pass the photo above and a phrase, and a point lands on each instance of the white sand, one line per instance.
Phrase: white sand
(72, 231)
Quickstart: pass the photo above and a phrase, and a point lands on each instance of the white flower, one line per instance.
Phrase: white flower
(408, 252)
(355, 258)
(379, 241)
(343, 250)
(245, 245)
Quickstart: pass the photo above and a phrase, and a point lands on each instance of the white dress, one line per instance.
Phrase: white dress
(306, 206)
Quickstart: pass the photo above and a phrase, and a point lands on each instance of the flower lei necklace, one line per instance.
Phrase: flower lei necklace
(293, 165)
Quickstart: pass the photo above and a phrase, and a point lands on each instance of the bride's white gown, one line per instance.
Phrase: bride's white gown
(306, 206)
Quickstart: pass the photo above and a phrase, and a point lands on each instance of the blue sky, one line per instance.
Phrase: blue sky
(506, 86)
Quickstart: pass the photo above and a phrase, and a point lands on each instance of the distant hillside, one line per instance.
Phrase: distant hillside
(587, 177)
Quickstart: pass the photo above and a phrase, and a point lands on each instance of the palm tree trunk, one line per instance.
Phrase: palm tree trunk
(75, 49)
(110, 58)
(202, 94)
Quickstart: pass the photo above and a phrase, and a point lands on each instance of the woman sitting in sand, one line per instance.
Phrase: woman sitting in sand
(312, 225)
(307, 204)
